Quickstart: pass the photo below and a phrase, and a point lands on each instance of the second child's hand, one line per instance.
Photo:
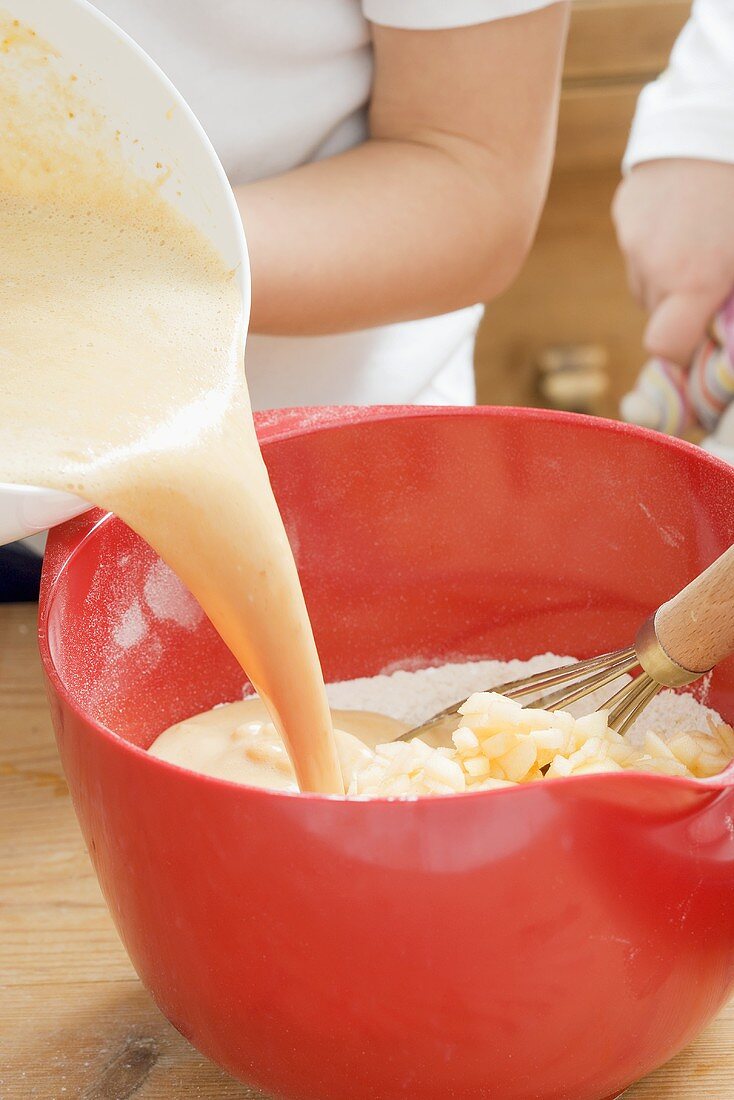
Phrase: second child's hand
(675, 225)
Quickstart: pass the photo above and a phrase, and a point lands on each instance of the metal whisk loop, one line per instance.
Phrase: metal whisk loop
(539, 682)
(630, 701)
(619, 663)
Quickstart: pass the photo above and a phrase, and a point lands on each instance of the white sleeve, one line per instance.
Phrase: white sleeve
(689, 110)
(424, 15)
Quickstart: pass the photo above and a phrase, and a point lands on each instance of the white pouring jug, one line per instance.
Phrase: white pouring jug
(156, 127)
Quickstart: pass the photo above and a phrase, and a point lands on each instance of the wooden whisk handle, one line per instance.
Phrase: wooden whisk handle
(696, 627)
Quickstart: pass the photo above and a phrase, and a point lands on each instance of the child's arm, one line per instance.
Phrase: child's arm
(674, 211)
(438, 208)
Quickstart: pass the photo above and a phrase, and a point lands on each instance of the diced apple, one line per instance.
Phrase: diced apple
(724, 734)
(535, 718)
(656, 747)
(685, 749)
(560, 766)
(518, 761)
(549, 743)
(440, 770)
(621, 753)
(400, 785)
(593, 725)
(593, 766)
(549, 738)
(498, 744)
(490, 711)
(465, 740)
(492, 785)
(476, 766)
(595, 747)
(709, 764)
(391, 749)
(662, 766)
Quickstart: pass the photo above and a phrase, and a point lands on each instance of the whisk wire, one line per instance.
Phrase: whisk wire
(579, 689)
(541, 681)
(626, 696)
(631, 700)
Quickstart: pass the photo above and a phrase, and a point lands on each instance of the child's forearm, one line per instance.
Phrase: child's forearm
(437, 210)
(386, 232)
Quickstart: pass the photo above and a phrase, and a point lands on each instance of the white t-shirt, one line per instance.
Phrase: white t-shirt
(689, 110)
(278, 83)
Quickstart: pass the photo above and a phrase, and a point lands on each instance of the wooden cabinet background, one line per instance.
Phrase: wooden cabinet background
(572, 291)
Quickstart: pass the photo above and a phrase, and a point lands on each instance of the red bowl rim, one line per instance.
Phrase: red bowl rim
(279, 424)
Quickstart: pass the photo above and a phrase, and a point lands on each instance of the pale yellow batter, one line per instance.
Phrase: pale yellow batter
(238, 742)
(121, 380)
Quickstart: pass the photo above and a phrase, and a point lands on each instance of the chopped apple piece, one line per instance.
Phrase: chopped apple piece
(465, 740)
(607, 765)
(499, 744)
(518, 761)
(476, 766)
(593, 725)
(656, 747)
(725, 734)
(560, 765)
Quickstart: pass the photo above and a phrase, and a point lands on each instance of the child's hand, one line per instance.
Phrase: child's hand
(675, 226)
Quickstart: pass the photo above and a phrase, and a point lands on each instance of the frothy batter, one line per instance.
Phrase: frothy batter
(122, 380)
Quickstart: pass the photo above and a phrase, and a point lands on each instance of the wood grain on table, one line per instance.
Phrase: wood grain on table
(75, 1023)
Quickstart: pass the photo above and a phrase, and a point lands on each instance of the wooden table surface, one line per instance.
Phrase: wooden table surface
(75, 1023)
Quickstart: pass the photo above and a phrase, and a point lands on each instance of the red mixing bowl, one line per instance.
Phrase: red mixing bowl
(555, 941)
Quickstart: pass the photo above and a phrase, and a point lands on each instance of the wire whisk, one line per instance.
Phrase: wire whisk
(682, 641)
